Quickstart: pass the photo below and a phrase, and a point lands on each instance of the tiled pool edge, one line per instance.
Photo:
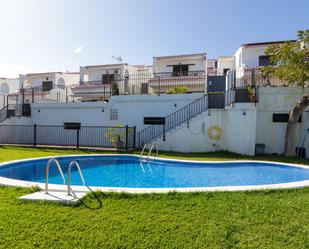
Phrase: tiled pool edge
(57, 187)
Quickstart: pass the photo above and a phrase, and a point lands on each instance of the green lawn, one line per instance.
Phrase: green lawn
(264, 219)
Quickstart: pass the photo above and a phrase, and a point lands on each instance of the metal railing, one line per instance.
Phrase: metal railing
(173, 120)
(114, 137)
(76, 164)
(150, 148)
(47, 172)
(3, 114)
(186, 113)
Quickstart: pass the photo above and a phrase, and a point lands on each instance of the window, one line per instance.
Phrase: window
(114, 114)
(282, 118)
(180, 70)
(154, 120)
(71, 126)
(225, 71)
(4, 89)
(264, 60)
(108, 78)
(47, 85)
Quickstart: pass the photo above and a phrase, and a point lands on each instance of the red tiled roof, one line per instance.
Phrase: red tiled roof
(265, 43)
(106, 65)
(178, 56)
(30, 74)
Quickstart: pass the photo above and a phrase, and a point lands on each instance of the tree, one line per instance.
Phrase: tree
(115, 89)
(291, 65)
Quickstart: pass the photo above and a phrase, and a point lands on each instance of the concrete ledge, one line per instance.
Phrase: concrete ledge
(54, 196)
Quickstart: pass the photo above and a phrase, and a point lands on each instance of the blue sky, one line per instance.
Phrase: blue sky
(53, 35)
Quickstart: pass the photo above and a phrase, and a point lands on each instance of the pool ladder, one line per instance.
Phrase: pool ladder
(150, 146)
(73, 163)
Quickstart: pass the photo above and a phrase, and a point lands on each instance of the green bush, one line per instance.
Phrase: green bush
(178, 89)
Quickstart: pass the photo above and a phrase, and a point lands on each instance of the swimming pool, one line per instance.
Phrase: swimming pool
(129, 172)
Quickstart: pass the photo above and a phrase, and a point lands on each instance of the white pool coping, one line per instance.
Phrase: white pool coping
(57, 187)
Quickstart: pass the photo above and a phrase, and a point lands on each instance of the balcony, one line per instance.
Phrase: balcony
(190, 82)
(92, 90)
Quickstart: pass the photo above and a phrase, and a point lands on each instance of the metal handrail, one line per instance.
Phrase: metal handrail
(145, 145)
(150, 150)
(174, 119)
(69, 175)
(47, 172)
(157, 149)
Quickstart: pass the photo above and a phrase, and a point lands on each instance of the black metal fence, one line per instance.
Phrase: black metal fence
(241, 95)
(135, 84)
(253, 77)
(60, 94)
(187, 82)
(85, 136)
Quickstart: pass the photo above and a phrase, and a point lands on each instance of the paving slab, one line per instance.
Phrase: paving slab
(54, 196)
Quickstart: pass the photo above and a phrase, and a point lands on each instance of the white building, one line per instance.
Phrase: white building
(188, 71)
(48, 86)
(9, 85)
(249, 57)
(8, 89)
(99, 82)
(225, 63)
(212, 66)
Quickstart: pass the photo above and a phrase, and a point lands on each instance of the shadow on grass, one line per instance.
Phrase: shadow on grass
(91, 201)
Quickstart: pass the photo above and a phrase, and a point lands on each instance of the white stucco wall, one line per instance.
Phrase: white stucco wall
(68, 78)
(35, 80)
(160, 65)
(131, 110)
(243, 125)
(225, 62)
(94, 73)
(8, 85)
(238, 132)
(279, 100)
(249, 56)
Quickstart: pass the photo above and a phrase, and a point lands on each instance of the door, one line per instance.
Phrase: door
(216, 91)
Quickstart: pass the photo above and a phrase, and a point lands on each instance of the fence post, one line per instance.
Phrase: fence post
(34, 135)
(77, 138)
(253, 78)
(159, 86)
(164, 132)
(66, 94)
(127, 132)
(134, 137)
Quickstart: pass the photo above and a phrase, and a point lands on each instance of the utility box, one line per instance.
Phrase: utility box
(259, 149)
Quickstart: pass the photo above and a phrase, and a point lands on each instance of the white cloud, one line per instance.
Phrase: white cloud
(79, 49)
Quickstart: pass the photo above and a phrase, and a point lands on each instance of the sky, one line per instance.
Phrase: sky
(62, 35)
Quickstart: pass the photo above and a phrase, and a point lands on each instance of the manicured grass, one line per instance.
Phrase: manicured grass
(259, 219)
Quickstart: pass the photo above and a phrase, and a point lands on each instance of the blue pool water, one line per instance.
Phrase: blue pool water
(129, 171)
